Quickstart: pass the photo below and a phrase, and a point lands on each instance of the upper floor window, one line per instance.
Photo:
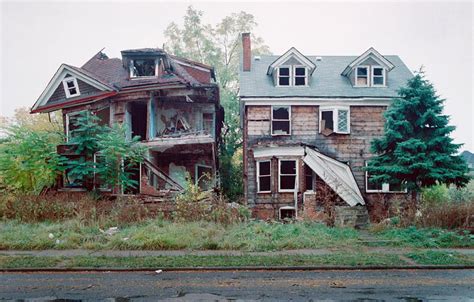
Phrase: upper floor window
(334, 120)
(71, 88)
(378, 76)
(143, 68)
(281, 120)
(300, 76)
(284, 76)
(362, 76)
(294, 75)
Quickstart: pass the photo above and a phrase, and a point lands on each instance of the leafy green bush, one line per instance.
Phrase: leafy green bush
(435, 195)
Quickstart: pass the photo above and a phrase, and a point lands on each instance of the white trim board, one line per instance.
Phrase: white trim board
(57, 80)
(277, 151)
(369, 53)
(298, 101)
(291, 52)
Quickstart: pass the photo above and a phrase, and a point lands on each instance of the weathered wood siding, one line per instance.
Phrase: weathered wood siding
(366, 123)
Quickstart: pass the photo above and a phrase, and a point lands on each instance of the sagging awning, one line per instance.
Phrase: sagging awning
(336, 175)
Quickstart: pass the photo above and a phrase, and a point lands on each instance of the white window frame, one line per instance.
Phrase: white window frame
(279, 175)
(258, 175)
(68, 115)
(279, 120)
(356, 84)
(295, 76)
(335, 117)
(372, 76)
(66, 88)
(289, 76)
(131, 66)
(385, 186)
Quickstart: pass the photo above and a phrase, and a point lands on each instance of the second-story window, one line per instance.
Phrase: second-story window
(71, 88)
(281, 120)
(378, 76)
(334, 120)
(300, 77)
(143, 68)
(284, 76)
(362, 76)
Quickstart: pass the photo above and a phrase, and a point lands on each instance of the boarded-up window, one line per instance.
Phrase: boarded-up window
(284, 76)
(362, 76)
(281, 120)
(287, 175)
(263, 176)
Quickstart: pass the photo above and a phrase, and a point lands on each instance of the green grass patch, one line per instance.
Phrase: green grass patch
(425, 237)
(163, 262)
(166, 235)
(441, 258)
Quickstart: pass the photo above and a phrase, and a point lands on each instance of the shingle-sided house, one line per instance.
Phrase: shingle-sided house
(172, 103)
(308, 122)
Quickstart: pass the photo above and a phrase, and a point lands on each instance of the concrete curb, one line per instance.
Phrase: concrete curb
(239, 268)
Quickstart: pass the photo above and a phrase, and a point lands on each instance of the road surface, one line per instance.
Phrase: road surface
(343, 285)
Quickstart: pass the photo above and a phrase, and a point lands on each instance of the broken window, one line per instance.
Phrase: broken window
(208, 122)
(335, 120)
(300, 76)
(287, 175)
(143, 68)
(287, 213)
(281, 120)
(204, 177)
(71, 88)
(362, 76)
(71, 124)
(378, 76)
(263, 176)
(284, 76)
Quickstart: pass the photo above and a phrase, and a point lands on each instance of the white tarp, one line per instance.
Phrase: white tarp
(337, 175)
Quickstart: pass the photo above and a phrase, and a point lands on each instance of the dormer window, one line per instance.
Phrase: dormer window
(71, 88)
(300, 76)
(378, 76)
(143, 68)
(362, 76)
(284, 76)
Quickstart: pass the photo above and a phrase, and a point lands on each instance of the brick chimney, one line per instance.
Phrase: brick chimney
(247, 51)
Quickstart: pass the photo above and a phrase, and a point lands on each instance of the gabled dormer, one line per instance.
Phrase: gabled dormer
(369, 70)
(291, 69)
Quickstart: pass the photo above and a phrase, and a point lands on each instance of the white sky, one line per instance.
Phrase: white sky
(36, 37)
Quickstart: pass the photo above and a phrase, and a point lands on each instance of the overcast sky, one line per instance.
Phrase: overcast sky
(36, 37)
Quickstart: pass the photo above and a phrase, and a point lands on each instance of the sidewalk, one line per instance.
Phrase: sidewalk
(148, 253)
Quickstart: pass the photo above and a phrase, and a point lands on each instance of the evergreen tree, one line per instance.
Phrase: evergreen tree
(416, 148)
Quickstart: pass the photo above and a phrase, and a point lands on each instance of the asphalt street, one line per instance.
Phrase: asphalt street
(342, 285)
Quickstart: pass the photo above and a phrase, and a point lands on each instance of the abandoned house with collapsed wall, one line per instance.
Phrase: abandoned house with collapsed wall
(172, 103)
(308, 122)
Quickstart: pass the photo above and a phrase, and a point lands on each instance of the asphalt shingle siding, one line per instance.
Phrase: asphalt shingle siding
(326, 80)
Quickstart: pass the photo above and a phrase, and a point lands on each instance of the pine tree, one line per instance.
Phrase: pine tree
(416, 148)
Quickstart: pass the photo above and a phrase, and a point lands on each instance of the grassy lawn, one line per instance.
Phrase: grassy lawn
(163, 262)
(441, 258)
(250, 236)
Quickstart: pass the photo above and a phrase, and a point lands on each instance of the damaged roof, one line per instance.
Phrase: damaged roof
(326, 80)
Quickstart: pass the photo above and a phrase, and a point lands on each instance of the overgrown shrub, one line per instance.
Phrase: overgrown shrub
(195, 204)
(447, 215)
